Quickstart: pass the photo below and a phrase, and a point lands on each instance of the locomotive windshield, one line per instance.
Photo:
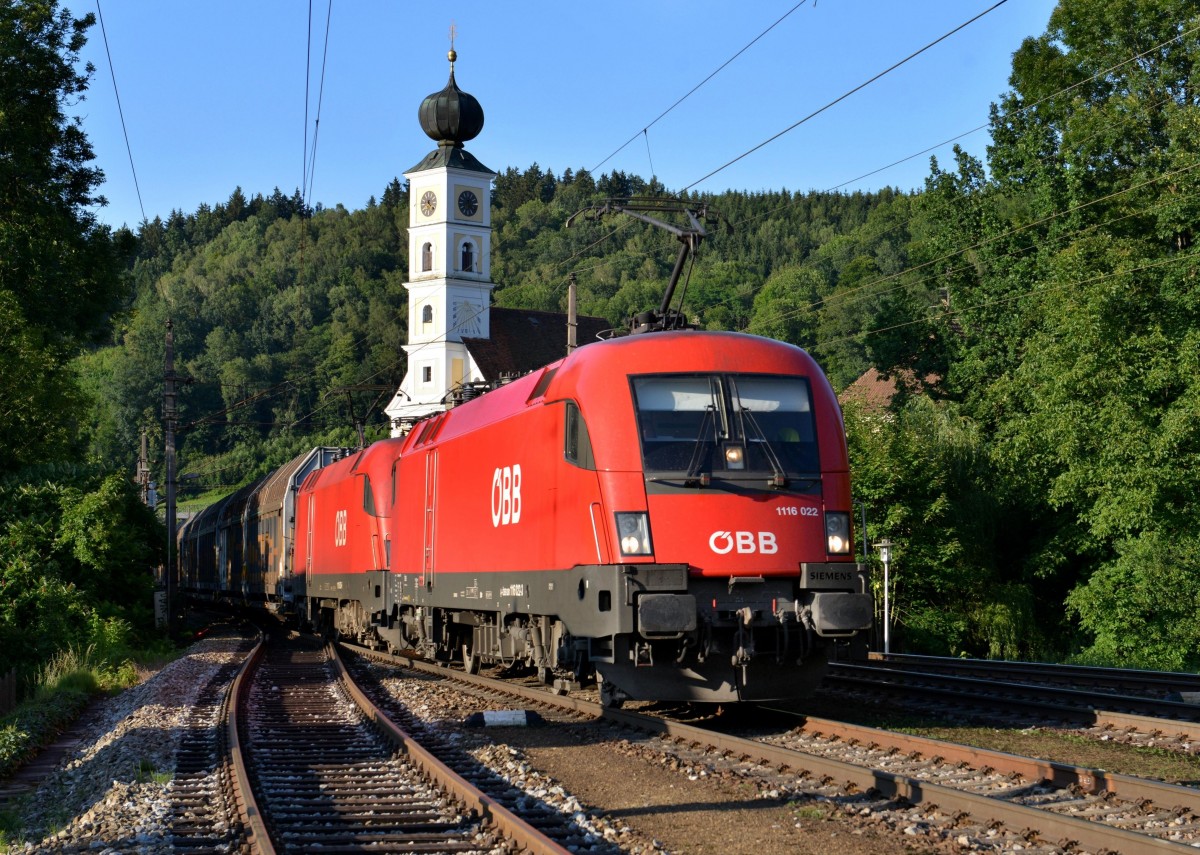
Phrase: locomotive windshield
(726, 425)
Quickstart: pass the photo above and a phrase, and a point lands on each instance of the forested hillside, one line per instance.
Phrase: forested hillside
(275, 309)
(1038, 311)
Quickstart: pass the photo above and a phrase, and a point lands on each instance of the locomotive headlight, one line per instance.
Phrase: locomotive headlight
(837, 532)
(735, 457)
(633, 530)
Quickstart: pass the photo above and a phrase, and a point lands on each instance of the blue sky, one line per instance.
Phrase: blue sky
(213, 91)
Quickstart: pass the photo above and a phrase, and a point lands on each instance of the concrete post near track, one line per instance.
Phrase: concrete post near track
(885, 554)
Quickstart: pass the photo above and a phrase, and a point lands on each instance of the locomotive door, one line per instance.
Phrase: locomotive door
(308, 536)
(430, 525)
(222, 538)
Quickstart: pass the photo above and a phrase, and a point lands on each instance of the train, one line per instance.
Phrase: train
(667, 514)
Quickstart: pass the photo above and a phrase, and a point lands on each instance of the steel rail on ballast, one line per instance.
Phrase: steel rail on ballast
(1070, 704)
(253, 825)
(982, 808)
(1092, 676)
(523, 835)
(1033, 768)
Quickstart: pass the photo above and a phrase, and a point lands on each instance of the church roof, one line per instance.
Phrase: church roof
(456, 157)
(524, 340)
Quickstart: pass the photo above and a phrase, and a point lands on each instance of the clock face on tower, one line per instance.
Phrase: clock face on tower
(468, 204)
(428, 203)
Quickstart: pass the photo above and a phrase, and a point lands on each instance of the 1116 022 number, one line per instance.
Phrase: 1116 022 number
(796, 511)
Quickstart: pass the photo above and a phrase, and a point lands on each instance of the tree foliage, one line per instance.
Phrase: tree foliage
(1037, 310)
(58, 269)
(77, 549)
(1066, 324)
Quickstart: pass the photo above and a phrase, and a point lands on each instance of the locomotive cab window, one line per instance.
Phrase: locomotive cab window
(731, 426)
(577, 446)
(368, 496)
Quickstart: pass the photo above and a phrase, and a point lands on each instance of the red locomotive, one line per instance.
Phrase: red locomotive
(670, 510)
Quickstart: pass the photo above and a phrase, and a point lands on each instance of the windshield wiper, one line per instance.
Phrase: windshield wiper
(778, 476)
(694, 476)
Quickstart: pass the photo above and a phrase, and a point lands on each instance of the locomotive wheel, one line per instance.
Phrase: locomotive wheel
(611, 698)
(470, 660)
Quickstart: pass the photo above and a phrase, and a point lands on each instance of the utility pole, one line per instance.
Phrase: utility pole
(169, 414)
(572, 319)
(143, 469)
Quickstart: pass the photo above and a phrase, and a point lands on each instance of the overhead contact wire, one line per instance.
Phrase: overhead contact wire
(320, 99)
(692, 91)
(120, 111)
(846, 95)
(307, 75)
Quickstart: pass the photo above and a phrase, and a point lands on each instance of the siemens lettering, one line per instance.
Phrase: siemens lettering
(830, 576)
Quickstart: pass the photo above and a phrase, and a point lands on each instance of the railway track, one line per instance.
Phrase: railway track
(1159, 685)
(552, 822)
(318, 767)
(993, 698)
(1047, 805)
(203, 796)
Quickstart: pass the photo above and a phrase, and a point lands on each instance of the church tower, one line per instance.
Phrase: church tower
(449, 257)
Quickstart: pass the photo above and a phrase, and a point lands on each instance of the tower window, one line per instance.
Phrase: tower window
(427, 312)
(427, 257)
(427, 374)
(468, 256)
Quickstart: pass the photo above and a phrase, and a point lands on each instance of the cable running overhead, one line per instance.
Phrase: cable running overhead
(120, 111)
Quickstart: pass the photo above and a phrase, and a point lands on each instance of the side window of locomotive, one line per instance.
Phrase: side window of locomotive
(777, 411)
(680, 420)
(577, 445)
(368, 496)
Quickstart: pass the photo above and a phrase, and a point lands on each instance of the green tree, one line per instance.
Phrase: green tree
(58, 269)
(785, 307)
(60, 265)
(921, 470)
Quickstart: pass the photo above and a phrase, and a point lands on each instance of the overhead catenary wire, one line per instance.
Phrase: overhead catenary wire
(806, 118)
(120, 111)
(1064, 91)
(864, 291)
(307, 100)
(845, 95)
(869, 289)
(310, 157)
(312, 164)
(693, 90)
(1091, 280)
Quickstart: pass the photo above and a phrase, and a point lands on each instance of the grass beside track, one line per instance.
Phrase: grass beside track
(64, 688)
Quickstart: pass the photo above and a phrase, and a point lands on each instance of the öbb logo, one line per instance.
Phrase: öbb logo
(744, 542)
(506, 495)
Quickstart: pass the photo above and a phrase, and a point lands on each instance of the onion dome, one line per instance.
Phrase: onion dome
(451, 117)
